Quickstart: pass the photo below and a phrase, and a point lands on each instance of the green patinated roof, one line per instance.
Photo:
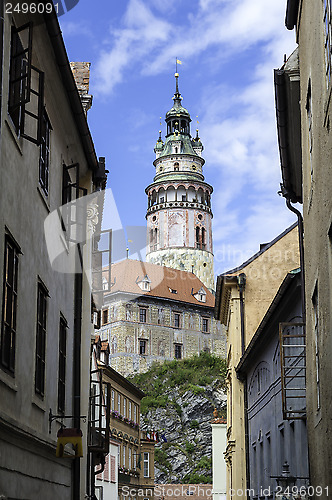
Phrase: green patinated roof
(177, 109)
(186, 145)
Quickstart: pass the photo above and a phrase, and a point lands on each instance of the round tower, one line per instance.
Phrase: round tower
(179, 215)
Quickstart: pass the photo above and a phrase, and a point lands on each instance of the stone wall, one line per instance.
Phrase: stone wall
(124, 331)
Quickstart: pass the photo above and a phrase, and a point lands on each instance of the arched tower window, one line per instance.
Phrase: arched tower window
(198, 238)
(176, 165)
(203, 238)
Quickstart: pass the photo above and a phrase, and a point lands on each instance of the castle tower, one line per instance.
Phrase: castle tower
(179, 216)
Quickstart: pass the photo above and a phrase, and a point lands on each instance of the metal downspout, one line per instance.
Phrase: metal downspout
(241, 285)
(301, 249)
(77, 366)
(2, 45)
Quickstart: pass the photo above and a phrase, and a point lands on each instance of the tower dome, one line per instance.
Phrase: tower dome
(179, 215)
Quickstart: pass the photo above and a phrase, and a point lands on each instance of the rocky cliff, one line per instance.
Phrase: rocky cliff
(181, 397)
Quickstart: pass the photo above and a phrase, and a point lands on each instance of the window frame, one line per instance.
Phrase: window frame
(7, 356)
(177, 349)
(142, 342)
(177, 320)
(146, 464)
(63, 326)
(143, 314)
(44, 153)
(205, 325)
(41, 332)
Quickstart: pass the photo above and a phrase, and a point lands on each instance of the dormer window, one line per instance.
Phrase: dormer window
(145, 283)
(200, 295)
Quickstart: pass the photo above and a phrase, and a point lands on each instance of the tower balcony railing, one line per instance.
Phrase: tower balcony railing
(179, 204)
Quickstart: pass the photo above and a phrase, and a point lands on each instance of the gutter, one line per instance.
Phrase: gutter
(54, 31)
(282, 128)
(291, 14)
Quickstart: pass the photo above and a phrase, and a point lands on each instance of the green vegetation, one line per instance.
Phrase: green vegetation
(195, 478)
(194, 424)
(192, 374)
(160, 458)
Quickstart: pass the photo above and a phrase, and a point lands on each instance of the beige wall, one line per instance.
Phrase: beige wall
(264, 275)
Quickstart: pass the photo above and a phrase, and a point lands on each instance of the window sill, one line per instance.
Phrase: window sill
(44, 199)
(17, 140)
(8, 381)
(38, 403)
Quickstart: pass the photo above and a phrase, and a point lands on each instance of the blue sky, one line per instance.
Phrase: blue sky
(228, 51)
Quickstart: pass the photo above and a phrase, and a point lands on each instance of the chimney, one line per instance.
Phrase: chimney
(81, 72)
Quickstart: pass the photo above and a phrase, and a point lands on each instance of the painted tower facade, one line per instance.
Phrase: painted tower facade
(179, 215)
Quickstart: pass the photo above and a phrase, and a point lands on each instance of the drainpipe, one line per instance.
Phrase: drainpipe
(2, 34)
(301, 248)
(241, 280)
(77, 366)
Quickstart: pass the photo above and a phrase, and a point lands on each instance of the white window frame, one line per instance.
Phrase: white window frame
(119, 403)
(112, 400)
(146, 464)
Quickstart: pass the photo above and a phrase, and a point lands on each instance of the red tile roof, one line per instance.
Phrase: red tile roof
(126, 275)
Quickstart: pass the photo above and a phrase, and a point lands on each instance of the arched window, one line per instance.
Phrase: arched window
(203, 237)
(198, 238)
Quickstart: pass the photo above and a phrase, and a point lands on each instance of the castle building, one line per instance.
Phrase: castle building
(163, 309)
(179, 215)
(155, 313)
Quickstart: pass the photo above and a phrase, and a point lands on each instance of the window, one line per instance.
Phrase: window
(146, 468)
(129, 410)
(135, 413)
(178, 351)
(162, 199)
(105, 316)
(328, 40)
(62, 365)
(177, 320)
(316, 337)
(112, 400)
(73, 216)
(129, 458)
(119, 403)
(142, 347)
(142, 314)
(198, 238)
(41, 339)
(205, 325)
(203, 238)
(44, 156)
(9, 306)
(26, 94)
(124, 455)
(124, 407)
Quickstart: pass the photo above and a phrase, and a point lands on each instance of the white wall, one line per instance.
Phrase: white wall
(218, 461)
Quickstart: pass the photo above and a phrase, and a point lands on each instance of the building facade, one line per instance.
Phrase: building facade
(275, 384)
(47, 158)
(154, 313)
(128, 468)
(219, 430)
(242, 298)
(306, 172)
(179, 215)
